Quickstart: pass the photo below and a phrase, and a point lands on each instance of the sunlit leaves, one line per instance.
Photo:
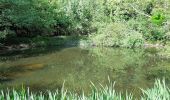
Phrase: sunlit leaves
(158, 18)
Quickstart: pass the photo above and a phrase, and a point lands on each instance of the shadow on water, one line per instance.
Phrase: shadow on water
(32, 52)
(9, 73)
(54, 43)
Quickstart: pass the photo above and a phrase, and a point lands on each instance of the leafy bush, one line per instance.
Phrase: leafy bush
(41, 17)
(118, 35)
(3, 34)
(133, 39)
(109, 35)
(25, 18)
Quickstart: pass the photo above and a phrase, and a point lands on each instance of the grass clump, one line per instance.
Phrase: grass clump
(159, 92)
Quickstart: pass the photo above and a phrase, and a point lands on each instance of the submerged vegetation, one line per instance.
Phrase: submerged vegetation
(159, 92)
(125, 23)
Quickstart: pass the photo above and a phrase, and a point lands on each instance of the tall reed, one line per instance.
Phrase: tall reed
(159, 92)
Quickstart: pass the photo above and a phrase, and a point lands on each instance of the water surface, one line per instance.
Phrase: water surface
(48, 68)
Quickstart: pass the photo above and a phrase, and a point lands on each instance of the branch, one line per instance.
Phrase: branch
(5, 5)
(139, 12)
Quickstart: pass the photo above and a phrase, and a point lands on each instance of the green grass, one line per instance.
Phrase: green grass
(159, 92)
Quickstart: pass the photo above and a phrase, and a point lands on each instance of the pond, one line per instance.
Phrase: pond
(48, 68)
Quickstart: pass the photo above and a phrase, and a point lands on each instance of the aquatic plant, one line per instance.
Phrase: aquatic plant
(159, 92)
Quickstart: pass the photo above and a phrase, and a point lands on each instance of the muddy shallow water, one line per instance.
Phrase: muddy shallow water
(48, 68)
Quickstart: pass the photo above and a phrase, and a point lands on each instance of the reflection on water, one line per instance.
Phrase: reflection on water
(48, 68)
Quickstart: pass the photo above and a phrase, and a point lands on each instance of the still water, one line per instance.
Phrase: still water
(49, 68)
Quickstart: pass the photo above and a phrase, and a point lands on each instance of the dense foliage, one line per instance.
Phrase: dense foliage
(126, 22)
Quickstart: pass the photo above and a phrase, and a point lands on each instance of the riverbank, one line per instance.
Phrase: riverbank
(17, 44)
(25, 42)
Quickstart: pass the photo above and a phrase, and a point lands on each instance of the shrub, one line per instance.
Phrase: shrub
(133, 39)
(118, 35)
(3, 34)
(27, 18)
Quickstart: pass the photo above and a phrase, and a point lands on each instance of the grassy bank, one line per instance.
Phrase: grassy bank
(159, 92)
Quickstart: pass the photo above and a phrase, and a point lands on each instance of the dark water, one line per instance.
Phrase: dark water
(48, 68)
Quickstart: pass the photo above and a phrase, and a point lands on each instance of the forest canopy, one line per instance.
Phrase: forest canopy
(146, 19)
